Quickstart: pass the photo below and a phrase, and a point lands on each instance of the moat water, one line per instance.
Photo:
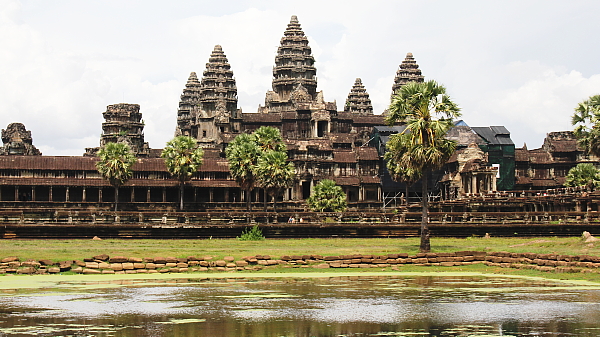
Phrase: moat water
(335, 306)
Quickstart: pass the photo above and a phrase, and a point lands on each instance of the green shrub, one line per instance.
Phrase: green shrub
(251, 234)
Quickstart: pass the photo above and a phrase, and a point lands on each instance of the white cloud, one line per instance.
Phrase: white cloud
(61, 64)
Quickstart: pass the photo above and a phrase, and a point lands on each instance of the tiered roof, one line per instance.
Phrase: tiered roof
(294, 63)
(218, 83)
(188, 103)
(407, 72)
(358, 100)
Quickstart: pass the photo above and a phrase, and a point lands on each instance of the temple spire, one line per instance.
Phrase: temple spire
(407, 72)
(358, 100)
(294, 63)
(218, 83)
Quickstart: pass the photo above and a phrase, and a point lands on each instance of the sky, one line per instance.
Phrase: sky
(521, 64)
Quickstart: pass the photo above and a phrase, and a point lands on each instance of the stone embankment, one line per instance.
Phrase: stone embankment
(104, 264)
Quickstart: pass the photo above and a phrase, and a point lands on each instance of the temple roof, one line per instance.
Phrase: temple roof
(407, 72)
(358, 100)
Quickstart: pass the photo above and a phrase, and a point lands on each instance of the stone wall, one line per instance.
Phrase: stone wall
(104, 264)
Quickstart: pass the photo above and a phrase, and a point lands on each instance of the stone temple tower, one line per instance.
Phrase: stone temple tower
(294, 74)
(358, 100)
(407, 72)
(208, 108)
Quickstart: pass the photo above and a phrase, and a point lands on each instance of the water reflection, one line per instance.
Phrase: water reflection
(336, 306)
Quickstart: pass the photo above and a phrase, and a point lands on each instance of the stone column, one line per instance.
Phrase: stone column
(50, 194)
(84, 194)
(32, 193)
(210, 194)
(99, 194)
(148, 194)
(67, 194)
(16, 193)
(164, 194)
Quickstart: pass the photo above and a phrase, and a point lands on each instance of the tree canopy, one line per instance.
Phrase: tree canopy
(182, 158)
(260, 159)
(274, 173)
(115, 165)
(584, 174)
(327, 197)
(586, 120)
(427, 112)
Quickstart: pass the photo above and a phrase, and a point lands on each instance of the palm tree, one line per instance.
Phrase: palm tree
(115, 165)
(269, 139)
(242, 154)
(584, 174)
(327, 197)
(183, 158)
(274, 173)
(427, 112)
(399, 172)
(587, 121)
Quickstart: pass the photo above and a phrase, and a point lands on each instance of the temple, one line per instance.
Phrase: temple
(323, 141)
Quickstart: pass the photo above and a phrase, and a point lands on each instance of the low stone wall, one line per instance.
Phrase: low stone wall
(104, 264)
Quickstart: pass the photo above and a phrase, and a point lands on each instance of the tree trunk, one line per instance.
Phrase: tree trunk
(181, 195)
(425, 245)
(116, 197)
(265, 199)
(248, 197)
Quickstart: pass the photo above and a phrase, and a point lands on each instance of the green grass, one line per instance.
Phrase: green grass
(59, 250)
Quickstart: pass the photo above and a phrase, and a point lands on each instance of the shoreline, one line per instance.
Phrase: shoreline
(77, 281)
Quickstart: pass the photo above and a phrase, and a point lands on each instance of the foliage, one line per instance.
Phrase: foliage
(183, 158)
(327, 197)
(269, 139)
(584, 174)
(427, 113)
(586, 120)
(260, 159)
(115, 165)
(242, 154)
(274, 173)
(251, 234)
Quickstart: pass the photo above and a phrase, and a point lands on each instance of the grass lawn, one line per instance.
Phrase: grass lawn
(60, 250)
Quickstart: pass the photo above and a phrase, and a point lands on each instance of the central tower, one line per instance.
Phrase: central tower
(294, 74)
(294, 63)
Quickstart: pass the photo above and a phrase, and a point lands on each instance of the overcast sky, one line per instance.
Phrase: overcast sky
(521, 64)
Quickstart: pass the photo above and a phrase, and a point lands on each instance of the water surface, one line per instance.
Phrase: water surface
(409, 305)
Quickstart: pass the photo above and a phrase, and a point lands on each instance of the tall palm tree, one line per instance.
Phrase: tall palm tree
(115, 165)
(242, 154)
(427, 112)
(274, 174)
(587, 121)
(327, 196)
(183, 158)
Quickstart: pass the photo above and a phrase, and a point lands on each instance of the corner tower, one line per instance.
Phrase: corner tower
(358, 100)
(208, 108)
